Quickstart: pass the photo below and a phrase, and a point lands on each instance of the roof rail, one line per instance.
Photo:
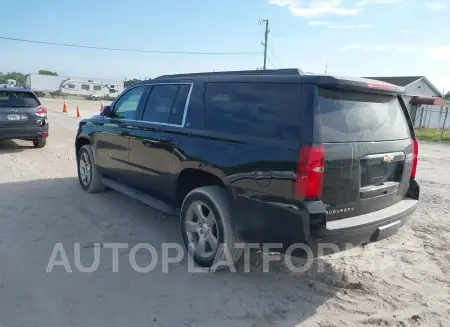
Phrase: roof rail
(283, 71)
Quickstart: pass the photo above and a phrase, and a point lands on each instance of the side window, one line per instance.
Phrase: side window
(260, 109)
(166, 104)
(126, 106)
(176, 115)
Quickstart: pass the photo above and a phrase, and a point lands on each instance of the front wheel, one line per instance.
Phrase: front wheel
(206, 227)
(88, 175)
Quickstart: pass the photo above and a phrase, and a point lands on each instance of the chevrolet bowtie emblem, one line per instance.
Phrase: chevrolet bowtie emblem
(388, 158)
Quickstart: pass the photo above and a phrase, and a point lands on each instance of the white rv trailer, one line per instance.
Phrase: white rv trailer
(95, 88)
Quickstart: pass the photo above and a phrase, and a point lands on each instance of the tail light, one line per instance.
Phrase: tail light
(41, 111)
(415, 158)
(310, 170)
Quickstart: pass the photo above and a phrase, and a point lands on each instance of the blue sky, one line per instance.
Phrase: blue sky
(353, 37)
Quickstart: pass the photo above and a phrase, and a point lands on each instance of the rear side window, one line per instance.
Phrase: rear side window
(260, 109)
(356, 117)
(18, 99)
(166, 103)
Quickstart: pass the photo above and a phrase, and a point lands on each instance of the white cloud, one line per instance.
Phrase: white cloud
(441, 52)
(438, 5)
(316, 8)
(380, 47)
(349, 47)
(404, 48)
(312, 8)
(318, 23)
(356, 26)
(387, 2)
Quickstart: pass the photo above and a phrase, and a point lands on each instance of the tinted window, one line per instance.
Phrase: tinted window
(85, 87)
(127, 104)
(71, 86)
(177, 112)
(260, 109)
(166, 104)
(17, 99)
(97, 87)
(352, 116)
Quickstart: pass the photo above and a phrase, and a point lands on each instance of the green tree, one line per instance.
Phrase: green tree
(129, 82)
(447, 96)
(18, 77)
(47, 72)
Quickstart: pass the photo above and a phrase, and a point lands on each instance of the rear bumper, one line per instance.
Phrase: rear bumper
(259, 221)
(369, 227)
(22, 132)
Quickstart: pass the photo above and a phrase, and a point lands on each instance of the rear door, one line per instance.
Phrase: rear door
(18, 108)
(368, 150)
(152, 157)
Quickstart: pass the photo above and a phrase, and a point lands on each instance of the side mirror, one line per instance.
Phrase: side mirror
(107, 111)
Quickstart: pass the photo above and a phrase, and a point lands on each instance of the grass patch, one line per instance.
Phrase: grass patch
(433, 134)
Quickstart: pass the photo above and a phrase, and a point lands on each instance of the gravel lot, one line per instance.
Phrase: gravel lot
(402, 281)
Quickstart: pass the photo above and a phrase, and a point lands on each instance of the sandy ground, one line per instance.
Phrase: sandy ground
(401, 281)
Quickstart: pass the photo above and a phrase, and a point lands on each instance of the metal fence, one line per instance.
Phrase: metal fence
(431, 122)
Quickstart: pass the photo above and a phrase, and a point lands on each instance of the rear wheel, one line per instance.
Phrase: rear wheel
(207, 229)
(88, 175)
(39, 143)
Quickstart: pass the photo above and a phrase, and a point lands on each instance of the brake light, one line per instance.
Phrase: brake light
(415, 158)
(45, 134)
(310, 170)
(41, 111)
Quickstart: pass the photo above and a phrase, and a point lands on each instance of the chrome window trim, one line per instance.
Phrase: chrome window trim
(186, 106)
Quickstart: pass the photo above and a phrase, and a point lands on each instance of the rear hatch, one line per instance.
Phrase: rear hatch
(368, 148)
(18, 108)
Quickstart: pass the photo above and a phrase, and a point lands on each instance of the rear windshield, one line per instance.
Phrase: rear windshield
(356, 117)
(17, 99)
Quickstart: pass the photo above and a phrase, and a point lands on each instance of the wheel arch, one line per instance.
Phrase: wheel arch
(191, 177)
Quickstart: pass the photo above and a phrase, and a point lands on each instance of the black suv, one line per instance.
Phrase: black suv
(22, 116)
(258, 156)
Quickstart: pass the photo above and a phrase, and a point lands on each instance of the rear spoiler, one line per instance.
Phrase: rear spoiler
(355, 84)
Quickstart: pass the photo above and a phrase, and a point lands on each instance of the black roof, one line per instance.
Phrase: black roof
(271, 72)
(397, 80)
(280, 75)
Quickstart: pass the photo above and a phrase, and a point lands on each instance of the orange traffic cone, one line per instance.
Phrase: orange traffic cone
(65, 106)
(101, 106)
(78, 112)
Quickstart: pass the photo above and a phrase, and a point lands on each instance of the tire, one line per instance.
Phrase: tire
(39, 143)
(88, 175)
(214, 199)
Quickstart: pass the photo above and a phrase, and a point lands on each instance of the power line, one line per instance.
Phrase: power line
(275, 66)
(127, 50)
(272, 49)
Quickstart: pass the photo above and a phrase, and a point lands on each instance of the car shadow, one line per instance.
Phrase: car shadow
(37, 215)
(11, 146)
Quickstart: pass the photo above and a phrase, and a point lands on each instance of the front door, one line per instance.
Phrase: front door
(112, 139)
(152, 158)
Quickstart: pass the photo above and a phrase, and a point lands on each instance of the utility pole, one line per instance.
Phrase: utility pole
(266, 37)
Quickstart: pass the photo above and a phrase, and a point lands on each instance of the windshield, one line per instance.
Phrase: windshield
(17, 99)
(356, 117)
